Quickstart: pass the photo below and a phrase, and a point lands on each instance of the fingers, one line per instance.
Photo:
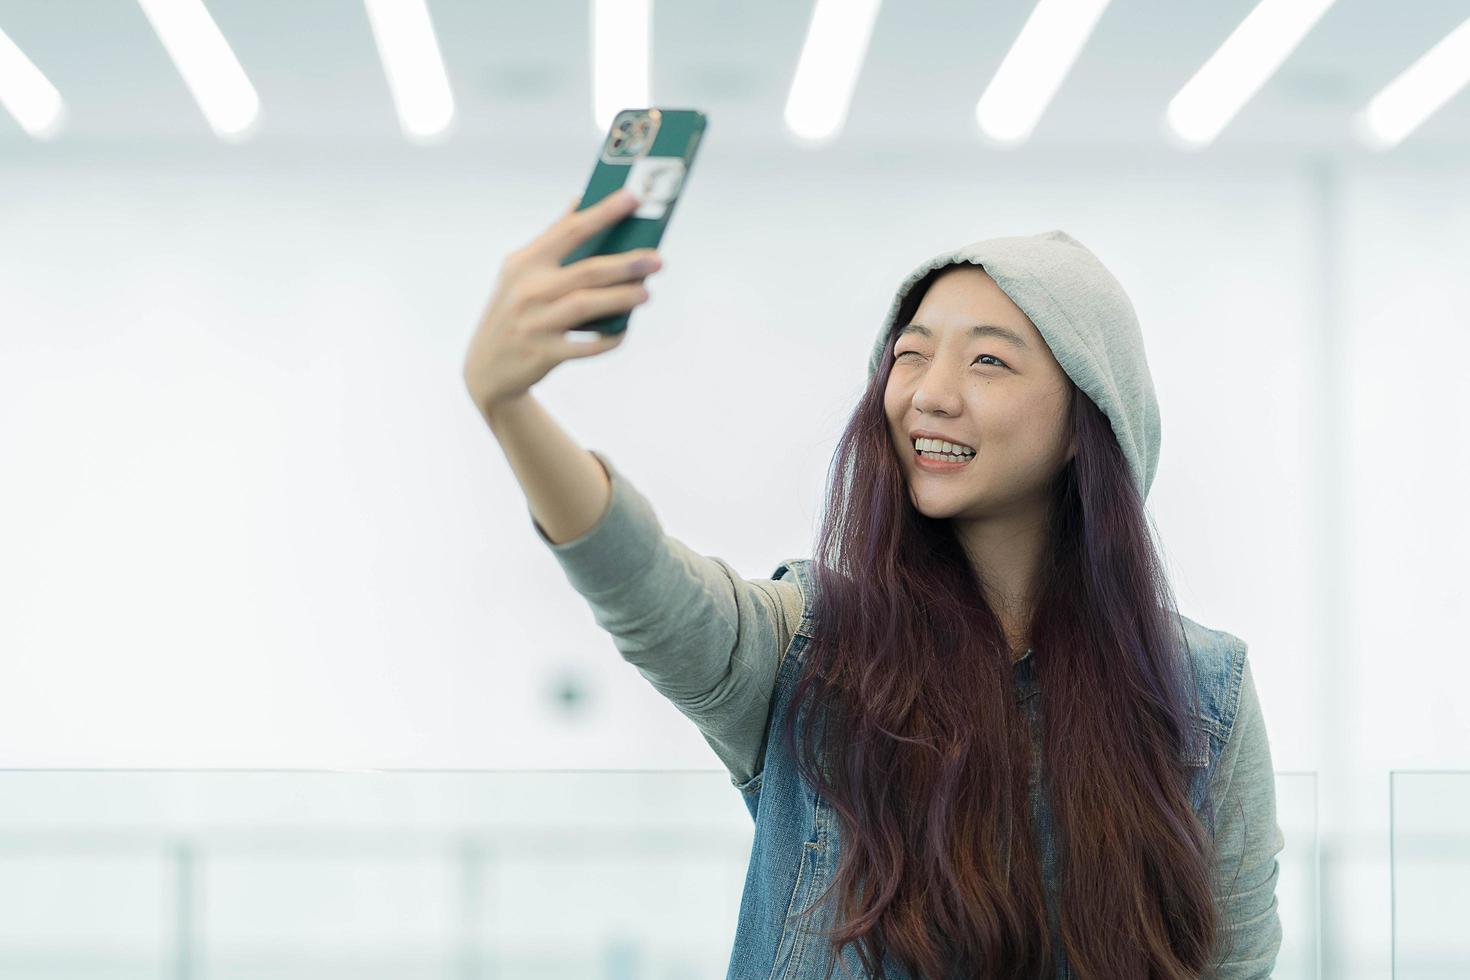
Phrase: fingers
(567, 349)
(585, 305)
(575, 227)
(547, 285)
(603, 270)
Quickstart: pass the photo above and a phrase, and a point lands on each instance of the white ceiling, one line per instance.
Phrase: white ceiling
(520, 72)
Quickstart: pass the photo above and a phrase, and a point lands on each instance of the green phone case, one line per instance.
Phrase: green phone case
(654, 148)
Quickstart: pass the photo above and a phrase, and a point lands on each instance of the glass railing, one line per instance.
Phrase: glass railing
(1430, 814)
(1297, 896)
(449, 875)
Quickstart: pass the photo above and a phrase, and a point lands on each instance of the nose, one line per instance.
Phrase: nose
(937, 394)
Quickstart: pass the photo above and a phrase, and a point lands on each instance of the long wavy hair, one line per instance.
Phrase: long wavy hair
(912, 677)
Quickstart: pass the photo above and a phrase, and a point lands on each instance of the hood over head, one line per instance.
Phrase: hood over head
(1086, 319)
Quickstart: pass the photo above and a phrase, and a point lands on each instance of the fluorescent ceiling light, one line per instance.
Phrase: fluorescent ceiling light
(826, 73)
(1418, 93)
(1035, 67)
(26, 93)
(208, 66)
(1234, 73)
(415, 70)
(620, 30)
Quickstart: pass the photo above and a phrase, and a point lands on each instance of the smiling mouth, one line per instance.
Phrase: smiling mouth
(942, 459)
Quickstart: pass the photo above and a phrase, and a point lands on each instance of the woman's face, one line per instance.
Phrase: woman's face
(1004, 397)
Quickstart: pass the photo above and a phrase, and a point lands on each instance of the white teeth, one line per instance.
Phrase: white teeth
(940, 446)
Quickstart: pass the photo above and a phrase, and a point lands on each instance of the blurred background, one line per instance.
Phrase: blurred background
(251, 521)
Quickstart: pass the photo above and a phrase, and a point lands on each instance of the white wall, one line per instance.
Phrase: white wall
(250, 518)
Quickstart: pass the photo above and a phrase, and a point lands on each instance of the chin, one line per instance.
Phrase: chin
(938, 507)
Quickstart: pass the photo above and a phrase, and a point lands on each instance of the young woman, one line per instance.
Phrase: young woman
(975, 734)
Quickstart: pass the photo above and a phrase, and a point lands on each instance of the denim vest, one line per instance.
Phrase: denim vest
(796, 846)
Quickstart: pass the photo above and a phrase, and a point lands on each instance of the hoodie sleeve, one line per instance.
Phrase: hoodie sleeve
(1247, 841)
(707, 639)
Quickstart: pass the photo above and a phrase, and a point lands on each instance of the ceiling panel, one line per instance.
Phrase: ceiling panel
(521, 72)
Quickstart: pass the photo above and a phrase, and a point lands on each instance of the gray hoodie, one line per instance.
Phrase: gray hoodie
(711, 641)
(1086, 319)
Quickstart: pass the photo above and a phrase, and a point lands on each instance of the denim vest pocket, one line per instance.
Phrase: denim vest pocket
(800, 936)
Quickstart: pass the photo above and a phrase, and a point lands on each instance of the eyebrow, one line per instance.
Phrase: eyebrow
(981, 330)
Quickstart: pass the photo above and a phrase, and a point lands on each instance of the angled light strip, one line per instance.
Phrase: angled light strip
(1234, 73)
(826, 73)
(415, 69)
(1035, 67)
(620, 43)
(26, 93)
(208, 66)
(1418, 92)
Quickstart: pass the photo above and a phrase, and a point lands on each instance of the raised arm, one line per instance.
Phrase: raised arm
(706, 638)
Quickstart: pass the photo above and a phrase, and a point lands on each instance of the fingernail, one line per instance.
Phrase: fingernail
(627, 197)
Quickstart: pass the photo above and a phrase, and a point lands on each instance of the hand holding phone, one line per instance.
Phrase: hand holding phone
(586, 271)
(650, 152)
(537, 298)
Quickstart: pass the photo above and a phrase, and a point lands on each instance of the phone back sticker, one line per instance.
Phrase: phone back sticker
(656, 181)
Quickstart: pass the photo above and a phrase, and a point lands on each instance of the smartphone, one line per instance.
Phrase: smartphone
(650, 151)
